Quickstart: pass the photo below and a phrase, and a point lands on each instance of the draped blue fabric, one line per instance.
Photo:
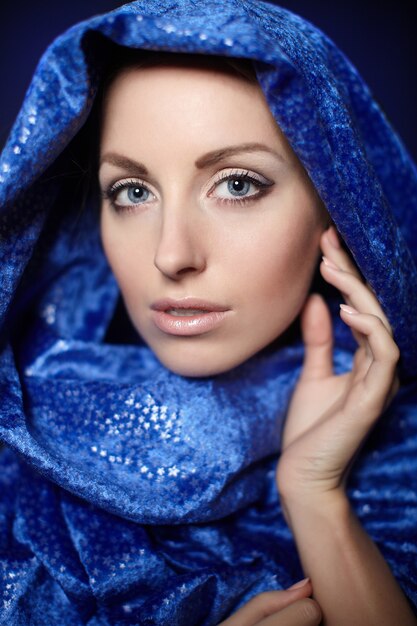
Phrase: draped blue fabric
(128, 494)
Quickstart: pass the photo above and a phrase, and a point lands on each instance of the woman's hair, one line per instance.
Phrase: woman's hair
(88, 140)
(131, 58)
(85, 148)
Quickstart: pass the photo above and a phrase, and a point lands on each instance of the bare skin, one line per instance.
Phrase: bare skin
(245, 228)
(291, 607)
(251, 251)
(328, 420)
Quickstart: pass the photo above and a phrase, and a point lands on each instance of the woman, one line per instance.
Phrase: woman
(151, 466)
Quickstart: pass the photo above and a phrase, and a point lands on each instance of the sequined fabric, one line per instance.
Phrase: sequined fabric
(130, 495)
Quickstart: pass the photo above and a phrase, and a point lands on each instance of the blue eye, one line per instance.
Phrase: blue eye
(132, 194)
(137, 194)
(238, 186)
(128, 195)
(235, 187)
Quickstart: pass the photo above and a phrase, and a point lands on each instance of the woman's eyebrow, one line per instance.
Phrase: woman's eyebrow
(210, 158)
(129, 165)
(218, 155)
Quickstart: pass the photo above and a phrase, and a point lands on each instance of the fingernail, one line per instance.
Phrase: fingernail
(301, 583)
(333, 238)
(349, 309)
(329, 263)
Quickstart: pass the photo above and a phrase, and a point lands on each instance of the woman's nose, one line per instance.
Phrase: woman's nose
(179, 249)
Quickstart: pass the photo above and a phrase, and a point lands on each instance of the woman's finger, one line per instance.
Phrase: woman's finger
(357, 294)
(333, 251)
(268, 603)
(380, 372)
(305, 612)
(316, 327)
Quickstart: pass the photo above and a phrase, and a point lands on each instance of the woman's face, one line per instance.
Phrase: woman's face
(208, 220)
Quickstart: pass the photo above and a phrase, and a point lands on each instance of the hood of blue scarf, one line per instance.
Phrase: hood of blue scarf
(104, 424)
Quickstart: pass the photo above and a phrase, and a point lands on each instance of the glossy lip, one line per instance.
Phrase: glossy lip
(211, 317)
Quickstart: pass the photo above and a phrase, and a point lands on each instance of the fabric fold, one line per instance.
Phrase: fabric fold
(129, 494)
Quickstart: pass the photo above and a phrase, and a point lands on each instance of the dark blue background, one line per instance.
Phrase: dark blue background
(380, 39)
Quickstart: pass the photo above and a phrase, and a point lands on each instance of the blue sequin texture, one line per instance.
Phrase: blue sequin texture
(130, 495)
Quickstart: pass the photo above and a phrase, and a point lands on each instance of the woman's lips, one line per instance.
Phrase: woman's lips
(187, 317)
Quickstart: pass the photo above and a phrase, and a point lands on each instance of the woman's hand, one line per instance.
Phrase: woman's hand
(329, 418)
(292, 607)
(331, 415)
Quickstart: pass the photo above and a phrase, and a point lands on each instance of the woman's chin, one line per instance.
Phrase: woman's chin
(197, 364)
(194, 369)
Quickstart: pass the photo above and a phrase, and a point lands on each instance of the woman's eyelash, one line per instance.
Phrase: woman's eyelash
(262, 185)
(247, 174)
(113, 190)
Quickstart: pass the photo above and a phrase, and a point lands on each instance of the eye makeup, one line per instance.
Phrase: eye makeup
(128, 195)
(232, 187)
(239, 187)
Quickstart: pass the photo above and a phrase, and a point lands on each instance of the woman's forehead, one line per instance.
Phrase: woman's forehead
(190, 101)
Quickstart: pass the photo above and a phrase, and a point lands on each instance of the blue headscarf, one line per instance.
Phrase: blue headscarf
(131, 495)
